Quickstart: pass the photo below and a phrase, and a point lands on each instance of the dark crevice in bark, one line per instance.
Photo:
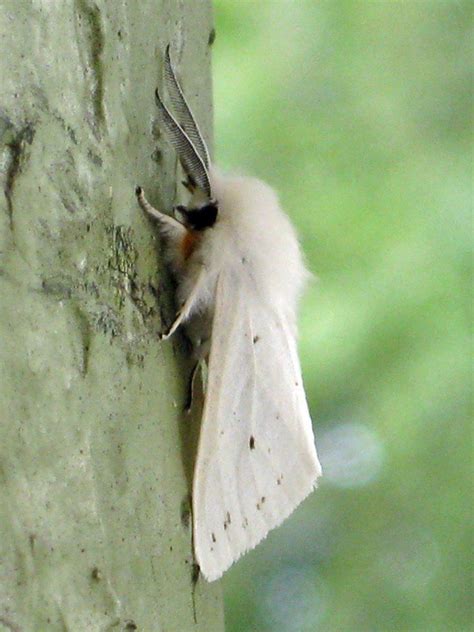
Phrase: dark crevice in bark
(16, 148)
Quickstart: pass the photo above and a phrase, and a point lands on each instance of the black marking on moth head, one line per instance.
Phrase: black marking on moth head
(252, 443)
(199, 218)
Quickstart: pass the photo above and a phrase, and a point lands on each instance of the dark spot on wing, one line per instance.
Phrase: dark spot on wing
(213, 537)
(252, 443)
(260, 503)
(256, 339)
(227, 520)
(279, 479)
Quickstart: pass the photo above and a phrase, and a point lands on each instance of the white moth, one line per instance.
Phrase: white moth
(240, 272)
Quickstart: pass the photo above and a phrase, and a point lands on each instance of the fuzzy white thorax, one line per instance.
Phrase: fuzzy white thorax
(251, 232)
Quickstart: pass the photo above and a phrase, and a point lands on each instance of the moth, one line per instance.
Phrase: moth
(240, 273)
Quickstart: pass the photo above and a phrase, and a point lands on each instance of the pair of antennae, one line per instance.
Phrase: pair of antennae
(183, 131)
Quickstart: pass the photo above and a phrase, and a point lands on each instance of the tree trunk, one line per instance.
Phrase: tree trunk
(95, 452)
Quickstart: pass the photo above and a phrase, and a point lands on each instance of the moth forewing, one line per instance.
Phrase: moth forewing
(256, 457)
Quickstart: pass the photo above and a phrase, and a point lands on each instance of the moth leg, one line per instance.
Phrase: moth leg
(192, 379)
(167, 220)
(185, 308)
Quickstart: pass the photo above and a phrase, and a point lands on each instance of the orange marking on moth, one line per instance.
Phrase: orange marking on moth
(188, 244)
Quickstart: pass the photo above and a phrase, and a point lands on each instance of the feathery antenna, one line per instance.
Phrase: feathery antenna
(182, 111)
(184, 133)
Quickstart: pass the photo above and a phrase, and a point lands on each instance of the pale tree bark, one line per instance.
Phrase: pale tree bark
(95, 452)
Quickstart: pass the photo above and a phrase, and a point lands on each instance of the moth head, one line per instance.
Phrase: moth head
(200, 217)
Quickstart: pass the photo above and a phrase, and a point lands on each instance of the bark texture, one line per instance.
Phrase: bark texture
(95, 453)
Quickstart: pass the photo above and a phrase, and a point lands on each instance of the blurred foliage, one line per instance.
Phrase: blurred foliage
(359, 114)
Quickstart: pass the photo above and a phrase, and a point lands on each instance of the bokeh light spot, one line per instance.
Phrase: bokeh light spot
(351, 455)
(294, 600)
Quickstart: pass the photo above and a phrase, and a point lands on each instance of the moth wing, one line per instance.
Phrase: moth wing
(256, 457)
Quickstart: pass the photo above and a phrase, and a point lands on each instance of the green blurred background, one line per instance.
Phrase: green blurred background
(359, 114)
